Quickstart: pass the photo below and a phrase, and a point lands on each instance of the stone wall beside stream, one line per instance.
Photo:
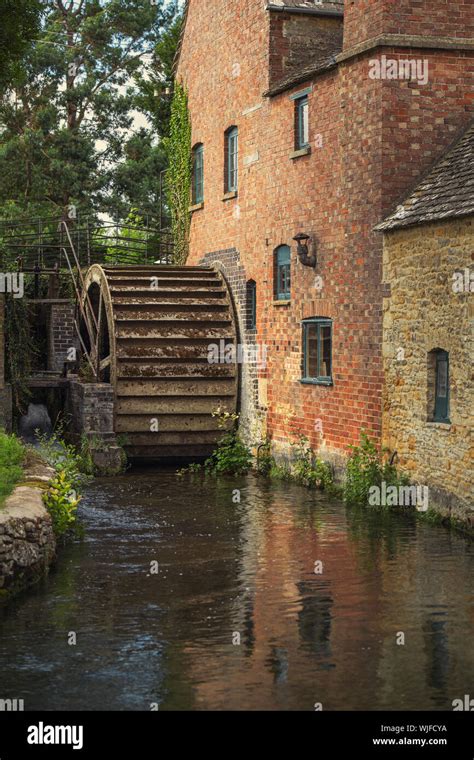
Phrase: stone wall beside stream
(27, 540)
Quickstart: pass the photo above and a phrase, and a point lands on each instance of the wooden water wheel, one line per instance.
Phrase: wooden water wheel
(150, 332)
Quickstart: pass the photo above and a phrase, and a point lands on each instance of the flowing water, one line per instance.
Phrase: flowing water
(181, 598)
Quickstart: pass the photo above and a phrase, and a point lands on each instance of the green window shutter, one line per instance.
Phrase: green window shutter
(282, 264)
(441, 411)
(198, 174)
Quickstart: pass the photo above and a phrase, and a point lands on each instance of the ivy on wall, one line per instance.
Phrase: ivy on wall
(178, 147)
(20, 350)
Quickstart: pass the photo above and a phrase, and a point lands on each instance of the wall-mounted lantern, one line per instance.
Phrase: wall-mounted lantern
(307, 259)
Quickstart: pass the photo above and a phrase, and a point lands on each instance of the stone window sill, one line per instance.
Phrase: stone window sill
(196, 206)
(314, 381)
(282, 302)
(439, 425)
(301, 152)
(228, 196)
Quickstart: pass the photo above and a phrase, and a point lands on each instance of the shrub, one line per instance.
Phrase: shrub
(12, 453)
(231, 457)
(366, 468)
(64, 457)
(265, 461)
(307, 469)
(61, 501)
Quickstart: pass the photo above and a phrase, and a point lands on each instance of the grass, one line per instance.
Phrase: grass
(11, 458)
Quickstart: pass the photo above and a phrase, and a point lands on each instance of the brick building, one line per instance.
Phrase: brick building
(315, 118)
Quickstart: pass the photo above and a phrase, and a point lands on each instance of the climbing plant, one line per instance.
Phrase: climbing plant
(20, 350)
(178, 148)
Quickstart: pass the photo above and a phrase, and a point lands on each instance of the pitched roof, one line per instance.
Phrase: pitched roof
(446, 191)
(303, 73)
(321, 6)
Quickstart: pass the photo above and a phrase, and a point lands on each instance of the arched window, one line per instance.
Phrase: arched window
(282, 272)
(231, 160)
(198, 174)
(317, 350)
(438, 385)
(251, 291)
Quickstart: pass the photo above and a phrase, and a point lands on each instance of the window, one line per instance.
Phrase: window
(198, 174)
(317, 350)
(231, 164)
(251, 305)
(301, 123)
(438, 384)
(282, 272)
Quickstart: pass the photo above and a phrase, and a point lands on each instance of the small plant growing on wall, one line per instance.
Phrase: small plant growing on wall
(367, 467)
(307, 469)
(231, 457)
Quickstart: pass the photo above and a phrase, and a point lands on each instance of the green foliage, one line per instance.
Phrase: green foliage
(64, 457)
(66, 110)
(134, 244)
(265, 461)
(178, 148)
(74, 469)
(193, 468)
(307, 469)
(231, 457)
(366, 467)
(94, 444)
(280, 471)
(20, 22)
(61, 501)
(155, 89)
(12, 453)
(137, 179)
(20, 350)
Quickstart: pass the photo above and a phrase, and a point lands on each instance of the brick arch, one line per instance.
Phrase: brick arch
(229, 264)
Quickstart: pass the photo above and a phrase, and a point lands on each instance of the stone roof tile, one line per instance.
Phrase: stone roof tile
(322, 5)
(446, 191)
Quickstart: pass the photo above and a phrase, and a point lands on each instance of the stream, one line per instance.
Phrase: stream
(242, 594)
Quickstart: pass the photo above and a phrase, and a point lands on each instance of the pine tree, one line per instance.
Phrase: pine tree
(65, 118)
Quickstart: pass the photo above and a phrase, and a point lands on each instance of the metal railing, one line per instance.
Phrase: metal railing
(38, 244)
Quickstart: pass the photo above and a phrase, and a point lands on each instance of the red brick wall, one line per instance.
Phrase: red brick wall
(364, 19)
(377, 137)
(296, 40)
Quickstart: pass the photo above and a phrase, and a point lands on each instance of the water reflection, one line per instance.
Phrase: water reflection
(237, 617)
